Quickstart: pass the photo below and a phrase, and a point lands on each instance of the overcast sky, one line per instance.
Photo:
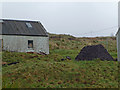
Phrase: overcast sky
(75, 18)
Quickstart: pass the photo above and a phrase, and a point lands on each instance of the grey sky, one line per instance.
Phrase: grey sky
(71, 18)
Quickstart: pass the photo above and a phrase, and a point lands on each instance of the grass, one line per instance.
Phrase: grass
(48, 71)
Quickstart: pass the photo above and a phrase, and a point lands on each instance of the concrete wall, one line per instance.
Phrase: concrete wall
(20, 43)
(118, 46)
(118, 34)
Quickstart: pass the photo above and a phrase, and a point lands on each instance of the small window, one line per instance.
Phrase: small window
(30, 43)
(29, 25)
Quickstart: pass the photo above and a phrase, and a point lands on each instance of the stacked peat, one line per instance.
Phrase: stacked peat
(93, 52)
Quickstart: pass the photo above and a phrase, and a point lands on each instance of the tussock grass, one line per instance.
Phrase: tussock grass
(48, 71)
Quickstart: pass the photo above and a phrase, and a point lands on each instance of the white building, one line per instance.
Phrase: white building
(118, 44)
(118, 33)
(23, 36)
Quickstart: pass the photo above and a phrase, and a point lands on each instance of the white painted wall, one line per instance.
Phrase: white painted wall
(118, 34)
(118, 45)
(20, 43)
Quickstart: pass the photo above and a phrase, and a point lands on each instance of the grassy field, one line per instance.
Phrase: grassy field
(48, 71)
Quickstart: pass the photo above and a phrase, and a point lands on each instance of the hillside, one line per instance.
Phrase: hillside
(48, 71)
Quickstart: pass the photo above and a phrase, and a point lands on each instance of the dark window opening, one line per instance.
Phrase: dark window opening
(30, 43)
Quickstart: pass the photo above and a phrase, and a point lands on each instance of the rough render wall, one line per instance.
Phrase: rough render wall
(0, 38)
(20, 43)
(118, 35)
(118, 46)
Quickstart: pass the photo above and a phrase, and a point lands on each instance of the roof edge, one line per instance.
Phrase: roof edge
(117, 32)
(25, 35)
(22, 20)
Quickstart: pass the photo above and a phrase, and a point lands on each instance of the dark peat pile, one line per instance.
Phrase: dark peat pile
(94, 52)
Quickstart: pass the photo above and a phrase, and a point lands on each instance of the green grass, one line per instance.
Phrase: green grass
(48, 71)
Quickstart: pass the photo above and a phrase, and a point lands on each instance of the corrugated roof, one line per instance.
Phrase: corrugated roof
(19, 27)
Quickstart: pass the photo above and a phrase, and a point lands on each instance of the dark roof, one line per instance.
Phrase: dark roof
(21, 27)
(118, 31)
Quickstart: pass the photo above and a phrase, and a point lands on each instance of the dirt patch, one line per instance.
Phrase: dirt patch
(94, 52)
(40, 53)
(4, 63)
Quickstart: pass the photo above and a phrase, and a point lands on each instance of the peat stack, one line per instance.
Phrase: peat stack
(94, 52)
